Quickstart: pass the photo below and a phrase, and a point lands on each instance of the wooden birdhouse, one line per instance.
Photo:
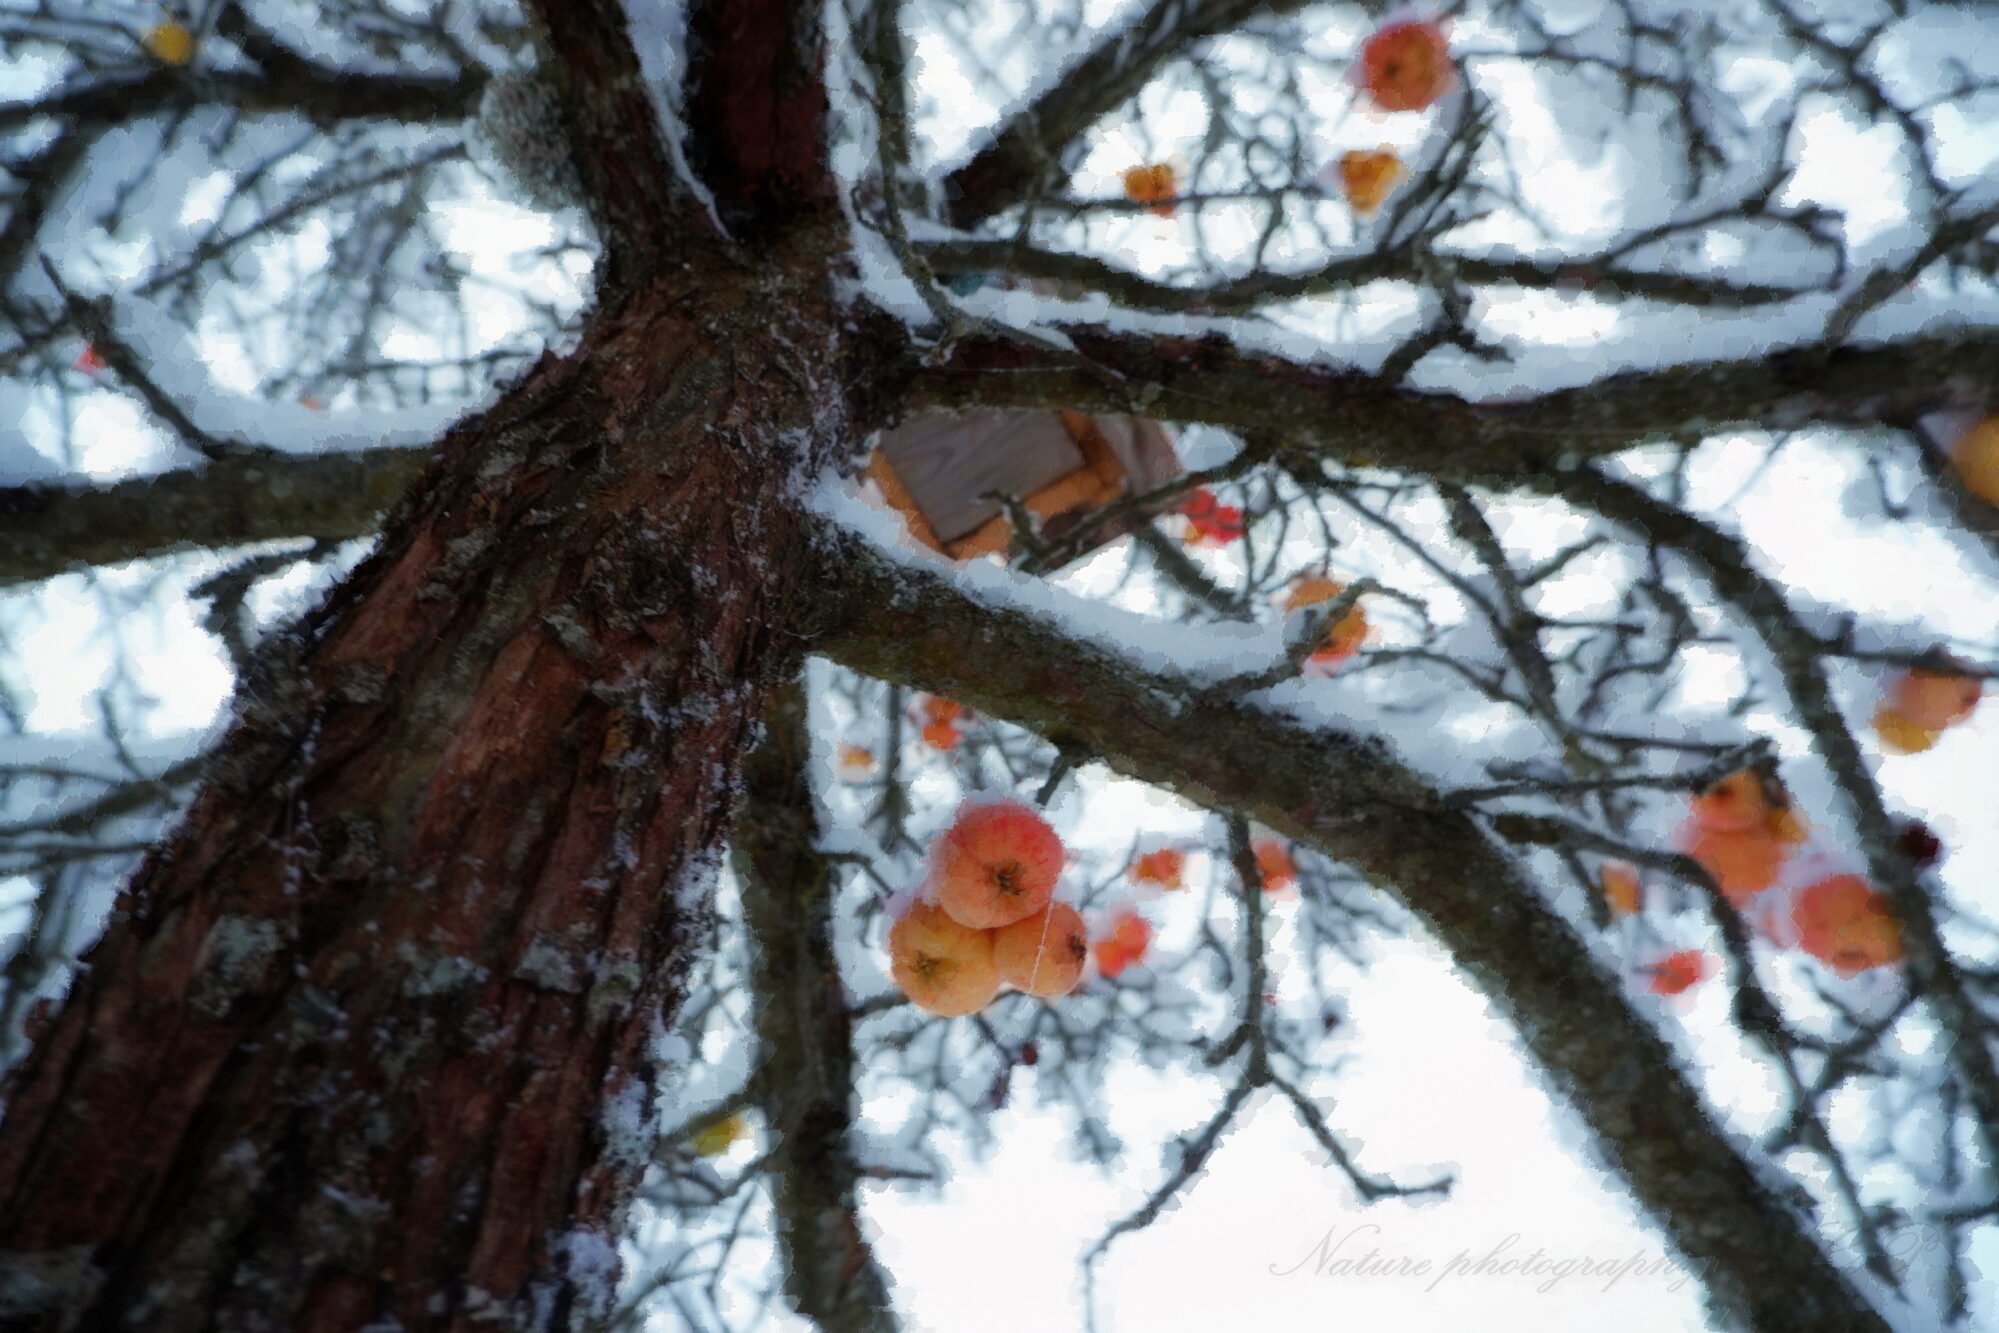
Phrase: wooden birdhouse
(939, 470)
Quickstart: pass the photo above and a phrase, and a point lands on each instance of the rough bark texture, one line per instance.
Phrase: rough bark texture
(631, 187)
(368, 1037)
(756, 112)
(806, 1071)
(1350, 798)
(234, 501)
(1336, 411)
(1317, 411)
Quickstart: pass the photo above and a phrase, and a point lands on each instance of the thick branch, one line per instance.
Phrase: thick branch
(756, 108)
(235, 501)
(1025, 156)
(613, 130)
(1348, 796)
(1362, 418)
(805, 1068)
(1264, 288)
(318, 92)
(1796, 651)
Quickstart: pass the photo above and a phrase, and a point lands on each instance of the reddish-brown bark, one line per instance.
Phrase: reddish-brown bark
(756, 110)
(369, 1037)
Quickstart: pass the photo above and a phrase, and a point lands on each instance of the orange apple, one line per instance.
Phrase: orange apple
(1366, 179)
(944, 968)
(1043, 954)
(1976, 458)
(1164, 867)
(1934, 699)
(1734, 804)
(1274, 862)
(1742, 862)
(1899, 735)
(1406, 65)
(1621, 889)
(1677, 973)
(855, 762)
(1154, 183)
(997, 863)
(1346, 637)
(1130, 936)
(1844, 922)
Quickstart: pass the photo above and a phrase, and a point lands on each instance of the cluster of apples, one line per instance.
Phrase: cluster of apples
(986, 915)
(1920, 705)
(1744, 831)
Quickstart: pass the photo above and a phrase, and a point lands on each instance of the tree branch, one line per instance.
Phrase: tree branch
(233, 501)
(757, 107)
(1264, 288)
(614, 132)
(1763, 609)
(317, 92)
(1027, 153)
(1360, 418)
(1349, 797)
(805, 1075)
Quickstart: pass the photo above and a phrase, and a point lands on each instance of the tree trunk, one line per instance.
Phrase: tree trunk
(369, 1038)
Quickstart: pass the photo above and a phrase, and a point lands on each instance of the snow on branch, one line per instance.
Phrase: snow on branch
(1025, 155)
(233, 501)
(1149, 717)
(1347, 414)
(615, 131)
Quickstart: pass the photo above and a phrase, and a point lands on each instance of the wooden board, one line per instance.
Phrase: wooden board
(1064, 465)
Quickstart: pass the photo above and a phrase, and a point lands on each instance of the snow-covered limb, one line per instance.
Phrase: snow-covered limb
(1345, 413)
(805, 1065)
(1345, 272)
(615, 133)
(1346, 795)
(1026, 153)
(1796, 651)
(231, 502)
